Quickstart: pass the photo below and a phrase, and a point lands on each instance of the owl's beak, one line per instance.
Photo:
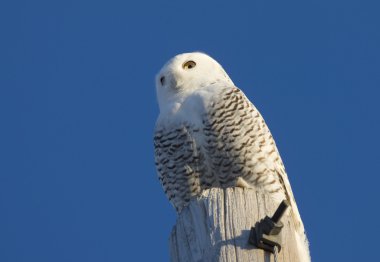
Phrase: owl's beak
(172, 82)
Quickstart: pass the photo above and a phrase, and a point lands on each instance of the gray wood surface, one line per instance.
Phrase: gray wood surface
(216, 227)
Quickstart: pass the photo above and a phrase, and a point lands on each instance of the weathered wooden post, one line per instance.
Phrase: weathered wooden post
(216, 227)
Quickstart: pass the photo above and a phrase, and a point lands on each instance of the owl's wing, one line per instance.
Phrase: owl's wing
(240, 148)
(179, 163)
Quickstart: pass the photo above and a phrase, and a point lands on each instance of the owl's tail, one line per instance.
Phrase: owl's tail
(300, 235)
(303, 247)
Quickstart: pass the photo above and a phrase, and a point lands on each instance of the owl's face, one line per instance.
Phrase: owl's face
(186, 73)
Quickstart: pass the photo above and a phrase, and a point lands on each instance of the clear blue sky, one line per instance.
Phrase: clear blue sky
(78, 108)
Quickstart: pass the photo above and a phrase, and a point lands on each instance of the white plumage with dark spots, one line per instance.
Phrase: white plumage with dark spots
(208, 134)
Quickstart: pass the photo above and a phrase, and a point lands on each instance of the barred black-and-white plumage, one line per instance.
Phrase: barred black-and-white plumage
(209, 134)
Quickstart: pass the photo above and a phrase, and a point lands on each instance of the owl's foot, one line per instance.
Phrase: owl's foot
(240, 182)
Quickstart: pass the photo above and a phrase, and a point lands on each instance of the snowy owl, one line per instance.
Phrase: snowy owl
(208, 134)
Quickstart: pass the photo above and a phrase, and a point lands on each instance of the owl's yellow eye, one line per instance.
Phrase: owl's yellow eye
(189, 65)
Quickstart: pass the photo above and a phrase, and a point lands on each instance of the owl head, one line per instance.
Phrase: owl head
(186, 74)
